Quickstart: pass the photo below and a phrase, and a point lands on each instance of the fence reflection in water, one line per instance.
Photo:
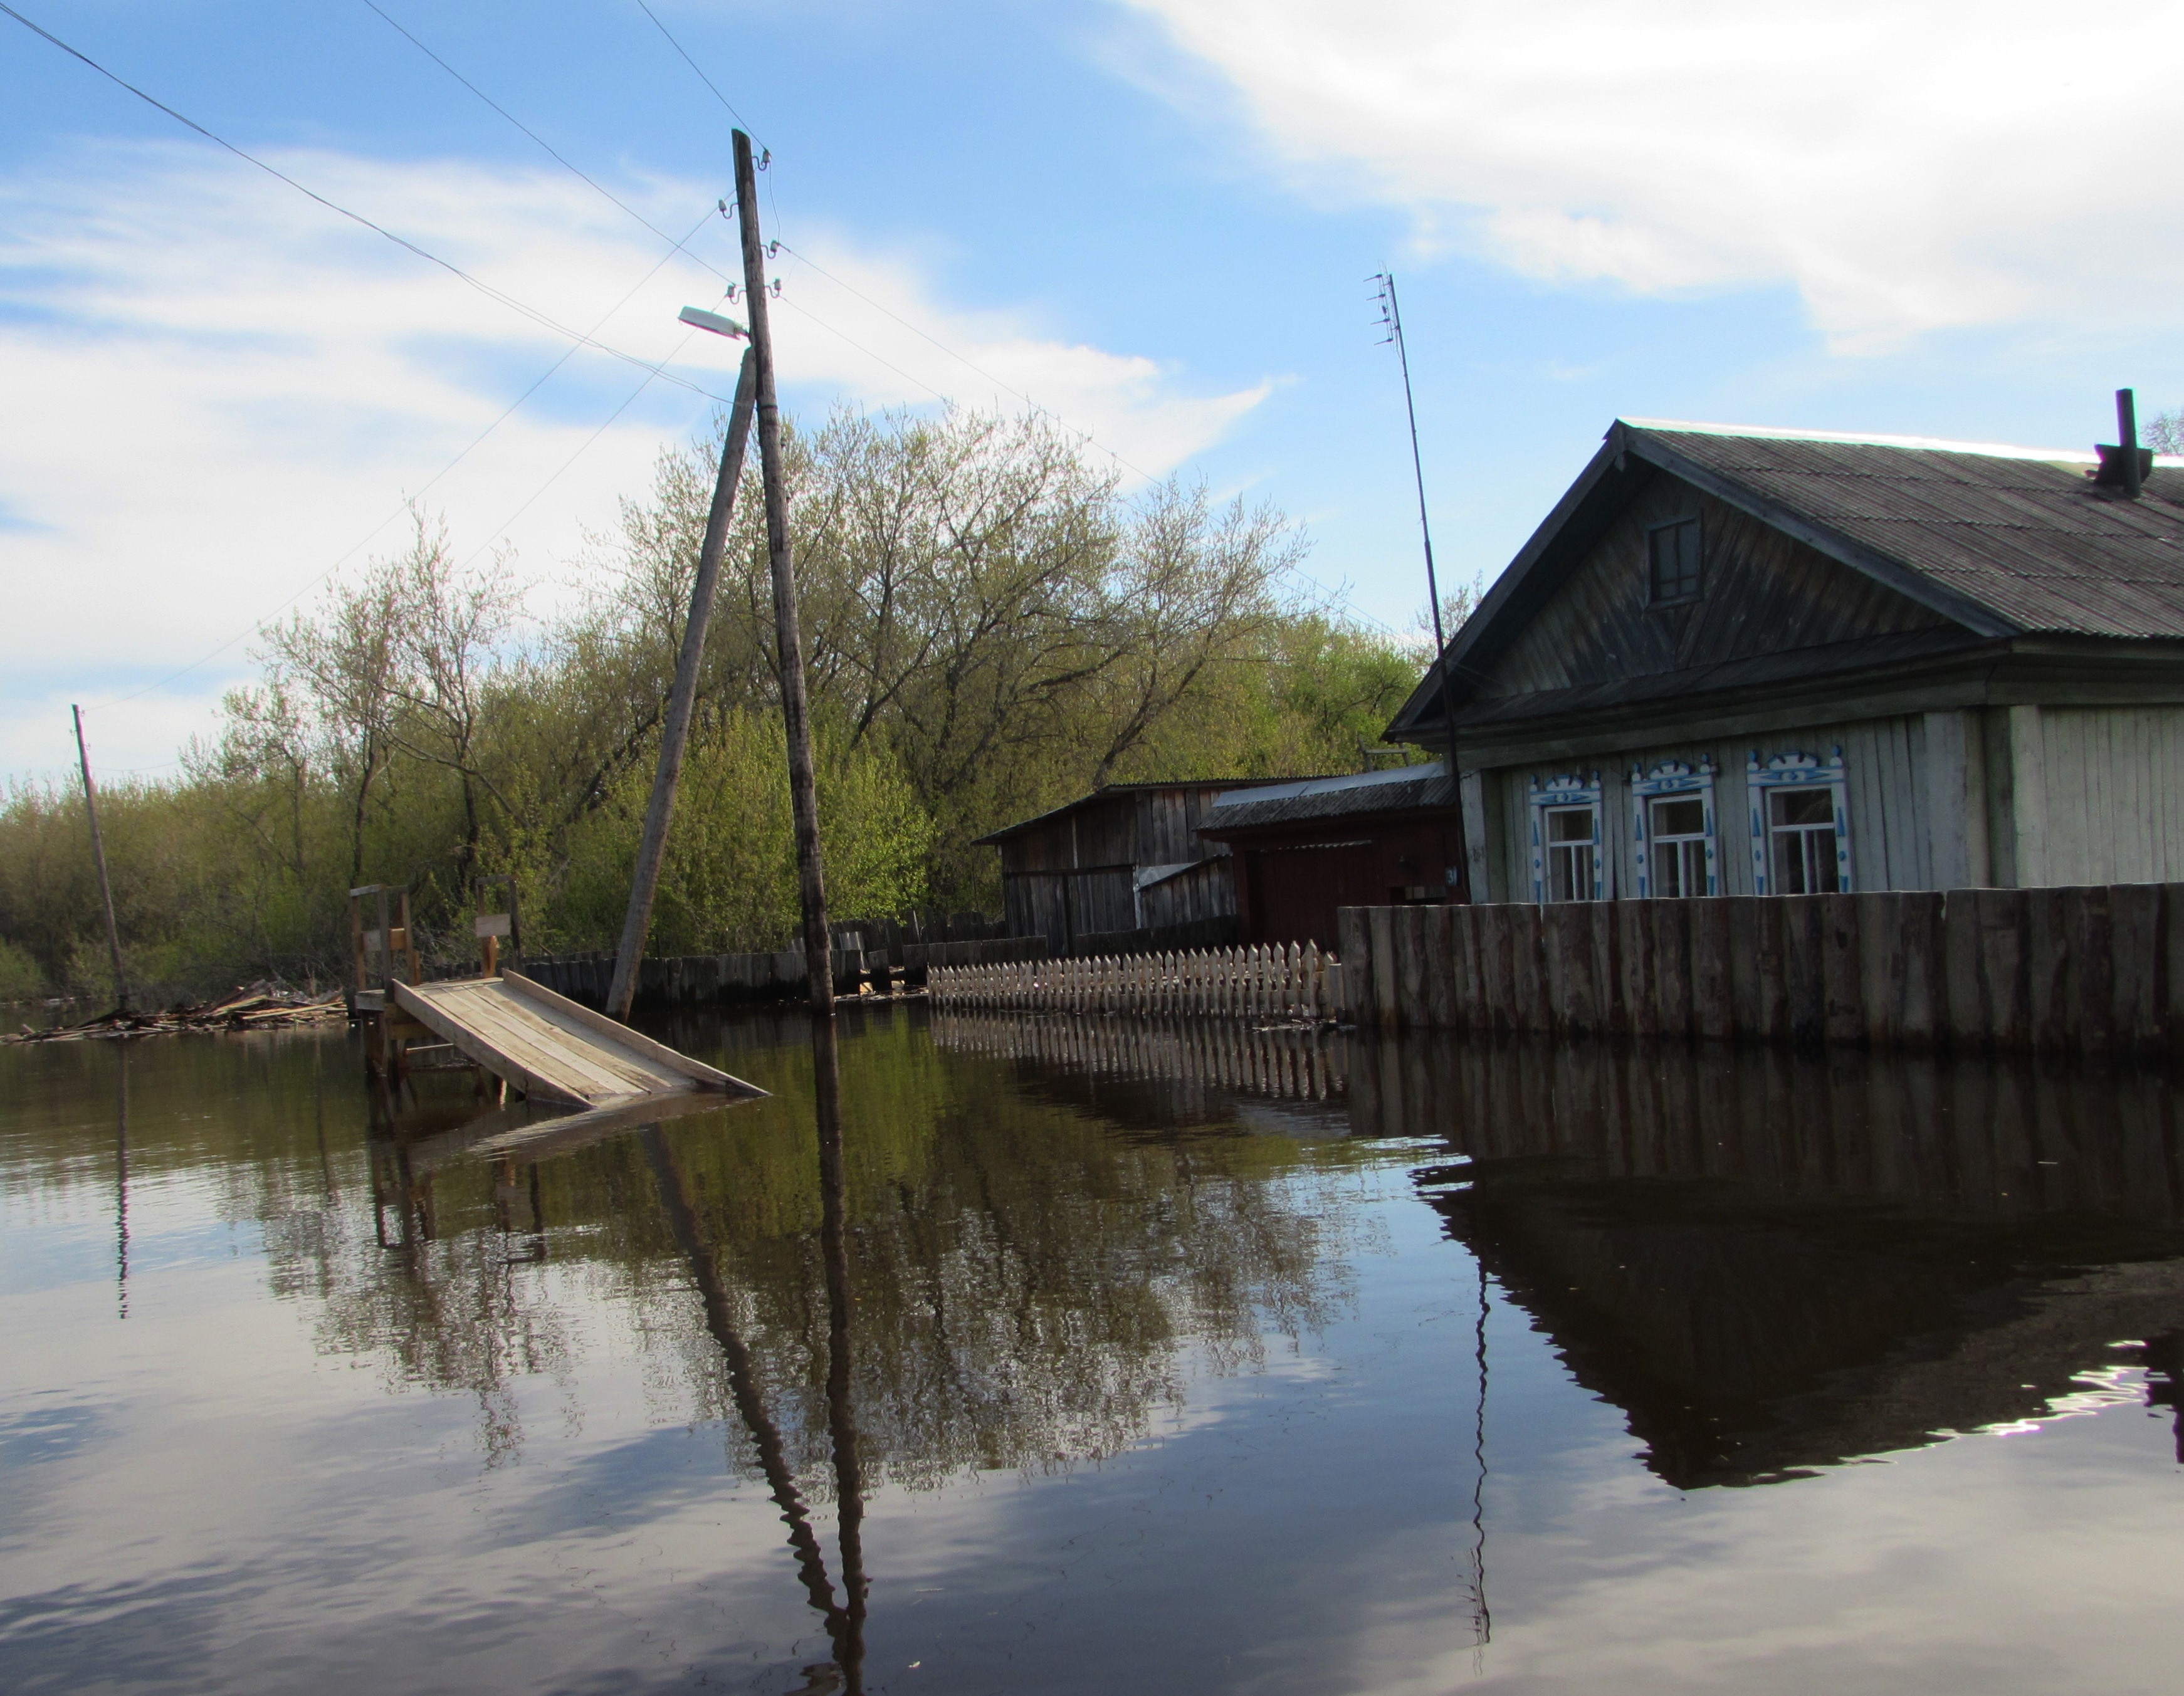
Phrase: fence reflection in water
(1287, 1062)
(2009, 1136)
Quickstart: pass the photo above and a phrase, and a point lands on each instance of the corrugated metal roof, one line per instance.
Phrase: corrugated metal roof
(1388, 791)
(2028, 537)
(1107, 792)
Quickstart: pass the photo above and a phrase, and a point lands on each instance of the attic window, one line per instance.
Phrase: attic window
(1672, 552)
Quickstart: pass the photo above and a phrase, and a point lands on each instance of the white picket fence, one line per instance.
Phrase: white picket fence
(1275, 980)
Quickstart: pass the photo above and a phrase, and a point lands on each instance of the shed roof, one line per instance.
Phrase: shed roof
(1396, 790)
(2004, 540)
(1107, 792)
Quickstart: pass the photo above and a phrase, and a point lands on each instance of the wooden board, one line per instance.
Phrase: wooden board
(552, 1049)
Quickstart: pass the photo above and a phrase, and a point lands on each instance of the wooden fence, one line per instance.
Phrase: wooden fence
(2096, 971)
(1277, 981)
(1294, 1062)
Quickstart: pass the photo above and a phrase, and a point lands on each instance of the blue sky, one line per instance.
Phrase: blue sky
(1155, 217)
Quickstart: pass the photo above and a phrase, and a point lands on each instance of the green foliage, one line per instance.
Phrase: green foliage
(990, 628)
(21, 978)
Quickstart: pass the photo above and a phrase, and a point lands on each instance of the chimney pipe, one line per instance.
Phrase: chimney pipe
(2124, 465)
(2127, 439)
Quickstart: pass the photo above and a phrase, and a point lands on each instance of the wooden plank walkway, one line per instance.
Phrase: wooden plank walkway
(554, 1049)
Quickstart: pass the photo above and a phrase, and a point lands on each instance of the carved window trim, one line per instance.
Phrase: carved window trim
(1672, 777)
(1567, 791)
(1796, 770)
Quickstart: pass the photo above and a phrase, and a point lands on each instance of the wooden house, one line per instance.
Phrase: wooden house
(1126, 858)
(1738, 661)
(1301, 850)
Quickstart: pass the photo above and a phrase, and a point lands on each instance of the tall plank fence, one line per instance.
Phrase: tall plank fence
(1275, 980)
(2097, 971)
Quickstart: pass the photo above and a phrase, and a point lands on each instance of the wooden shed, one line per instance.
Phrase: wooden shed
(1742, 661)
(1125, 857)
(1301, 850)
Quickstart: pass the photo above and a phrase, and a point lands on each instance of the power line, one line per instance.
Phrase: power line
(747, 125)
(501, 530)
(410, 502)
(553, 152)
(499, 295)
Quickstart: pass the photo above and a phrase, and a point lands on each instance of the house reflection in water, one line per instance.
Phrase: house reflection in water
(1774, 1262)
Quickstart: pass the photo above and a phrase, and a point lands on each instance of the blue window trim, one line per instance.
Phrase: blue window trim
(1569, 789)
(1796, 770)
(1672, 777)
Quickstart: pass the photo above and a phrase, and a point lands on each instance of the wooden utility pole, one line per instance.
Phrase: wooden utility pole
(675, 735)
(98, 857)
(795, 711)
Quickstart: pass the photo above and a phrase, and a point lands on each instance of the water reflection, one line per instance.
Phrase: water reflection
(121, 1180)
(1774, 1262)
(1056, 1355)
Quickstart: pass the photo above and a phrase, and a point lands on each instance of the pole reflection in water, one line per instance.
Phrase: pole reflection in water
(843, 1616)
(121, 1178)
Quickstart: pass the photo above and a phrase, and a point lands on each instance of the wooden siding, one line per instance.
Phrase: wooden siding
(1763, 593)
(1126, 827)
(2018, 796)
(1885, 773)
(1207, 891)
(2113, 779)
(1073, 874)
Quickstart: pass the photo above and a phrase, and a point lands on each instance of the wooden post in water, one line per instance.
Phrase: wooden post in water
(98, 859)
(795, 710)
(675, 732)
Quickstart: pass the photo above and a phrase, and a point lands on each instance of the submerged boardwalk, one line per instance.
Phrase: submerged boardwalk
(554, 1049)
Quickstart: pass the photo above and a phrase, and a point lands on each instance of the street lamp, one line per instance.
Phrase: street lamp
(700, 319)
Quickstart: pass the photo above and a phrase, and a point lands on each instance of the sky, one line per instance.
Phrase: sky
(1153, 219)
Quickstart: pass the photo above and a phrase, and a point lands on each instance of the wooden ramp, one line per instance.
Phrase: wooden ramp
(554, 1049)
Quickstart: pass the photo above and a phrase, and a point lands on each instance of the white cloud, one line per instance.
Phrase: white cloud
(1125, 403)
(1907, 167)
(218, 389)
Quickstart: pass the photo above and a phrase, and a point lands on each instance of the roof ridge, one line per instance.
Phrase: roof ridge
(1992, 450)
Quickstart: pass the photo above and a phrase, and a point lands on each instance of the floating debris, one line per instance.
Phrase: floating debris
(259, 1006)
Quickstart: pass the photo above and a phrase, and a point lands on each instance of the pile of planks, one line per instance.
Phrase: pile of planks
(254, 1007)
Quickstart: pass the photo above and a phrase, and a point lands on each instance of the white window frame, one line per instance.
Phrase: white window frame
(1569, 789)
(1796, 770)
(1672, 777)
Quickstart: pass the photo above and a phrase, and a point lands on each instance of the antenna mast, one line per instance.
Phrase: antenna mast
(1391, 319)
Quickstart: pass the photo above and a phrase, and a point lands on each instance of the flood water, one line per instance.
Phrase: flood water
(1122, 1356)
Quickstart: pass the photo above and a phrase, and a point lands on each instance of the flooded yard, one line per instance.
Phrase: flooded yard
(1182, 1357)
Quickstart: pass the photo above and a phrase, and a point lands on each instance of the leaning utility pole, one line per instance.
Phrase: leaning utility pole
(98, 856)
(795, 710)
(675, 734)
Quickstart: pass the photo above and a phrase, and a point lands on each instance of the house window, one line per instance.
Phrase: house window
(1567, 863)
(1679, 846)
(1799, 825)
(1674, 830)
(1573, 852)
(1673, 556)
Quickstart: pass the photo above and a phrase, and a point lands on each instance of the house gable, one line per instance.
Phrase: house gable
(1763, 593)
